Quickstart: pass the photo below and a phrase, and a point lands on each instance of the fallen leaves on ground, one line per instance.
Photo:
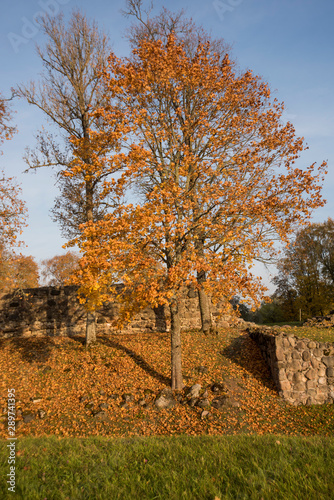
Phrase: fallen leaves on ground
(68, 382)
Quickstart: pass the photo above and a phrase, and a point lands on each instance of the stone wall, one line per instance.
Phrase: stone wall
(321, 321)
(303, 370)
(57, 311)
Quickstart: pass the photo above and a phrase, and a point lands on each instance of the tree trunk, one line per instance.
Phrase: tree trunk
(91, 316)
(175, 336)
(90, 329)
(204, 304)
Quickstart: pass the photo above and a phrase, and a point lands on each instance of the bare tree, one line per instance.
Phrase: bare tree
(67, 93)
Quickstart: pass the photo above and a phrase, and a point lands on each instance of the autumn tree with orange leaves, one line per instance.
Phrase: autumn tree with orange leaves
(160, 27)
(18, 272)
(12, 211)
(12, 208)
(215, 168)
(58, 270)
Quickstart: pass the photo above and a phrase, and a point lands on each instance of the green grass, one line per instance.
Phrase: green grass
(184, 467)
(315, 333)
(309, 332)
(263, 449)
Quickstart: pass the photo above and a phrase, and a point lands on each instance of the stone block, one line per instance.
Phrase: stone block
(285, 385)
(311, 387)
(295, 365)
(311, 374)
(311, 384)
(306, 355)
(320, 399)
(224, 324)
(281, 375)
(299, 377)
(298, 393)
(279, 354)
(288, 356)
(299, 386)
(279, 341)
(328, 361)
(315, 363)
(292, 340)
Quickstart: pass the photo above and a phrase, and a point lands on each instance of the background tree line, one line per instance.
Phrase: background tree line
(305, 279)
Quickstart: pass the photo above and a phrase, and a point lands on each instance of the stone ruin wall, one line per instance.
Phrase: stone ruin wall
(56, 311)
(302, 369)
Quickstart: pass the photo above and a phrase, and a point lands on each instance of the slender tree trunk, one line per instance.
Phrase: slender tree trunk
(91, 316)
(89, 200)
(204, 304)
(90, 328)
(176, 357)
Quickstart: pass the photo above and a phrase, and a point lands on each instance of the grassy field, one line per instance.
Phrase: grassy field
(256, 447)
(313, 333)
(184, 467)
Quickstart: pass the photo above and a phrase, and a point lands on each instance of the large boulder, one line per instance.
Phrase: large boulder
(165, 399)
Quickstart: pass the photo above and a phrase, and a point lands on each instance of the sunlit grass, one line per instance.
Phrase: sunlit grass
(183, 467)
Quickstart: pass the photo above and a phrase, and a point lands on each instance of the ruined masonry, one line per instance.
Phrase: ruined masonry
(56, 311)
(303, 370)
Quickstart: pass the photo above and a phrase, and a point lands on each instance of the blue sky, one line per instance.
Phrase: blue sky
(289, 43)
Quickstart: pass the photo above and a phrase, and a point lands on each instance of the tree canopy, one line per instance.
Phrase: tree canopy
(306, 272)
(58, 270)
(214, 166)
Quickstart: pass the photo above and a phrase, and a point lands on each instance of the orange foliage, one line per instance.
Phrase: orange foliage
(212, 162)
(6, 130)
(12, 211)
(58, 269)
(18, 272)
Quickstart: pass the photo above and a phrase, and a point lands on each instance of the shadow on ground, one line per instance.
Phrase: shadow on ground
(31, 349)
(244, 352)
(139, 360)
